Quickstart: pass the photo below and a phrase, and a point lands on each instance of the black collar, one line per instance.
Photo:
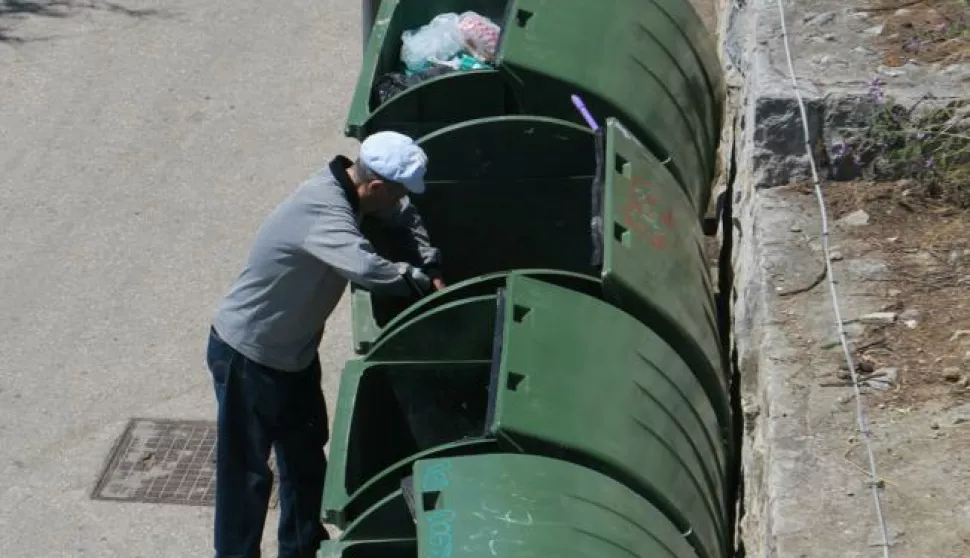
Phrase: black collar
(338, 167)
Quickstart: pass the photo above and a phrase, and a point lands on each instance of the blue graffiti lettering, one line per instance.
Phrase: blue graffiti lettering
(436, 477)
(439, 533)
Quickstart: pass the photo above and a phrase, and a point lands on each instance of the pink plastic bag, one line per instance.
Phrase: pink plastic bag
(480, 35)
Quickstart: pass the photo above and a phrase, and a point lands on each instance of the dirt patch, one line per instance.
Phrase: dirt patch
(925, 140)
(924, 31)
(926, 244)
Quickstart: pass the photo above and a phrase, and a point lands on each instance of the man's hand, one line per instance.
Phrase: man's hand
(424, 283)
(420, 283)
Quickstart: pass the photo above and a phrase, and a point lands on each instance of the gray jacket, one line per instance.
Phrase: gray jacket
(300, 262)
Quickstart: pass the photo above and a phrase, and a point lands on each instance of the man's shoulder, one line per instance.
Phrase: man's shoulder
(295, 215)
(321, 189)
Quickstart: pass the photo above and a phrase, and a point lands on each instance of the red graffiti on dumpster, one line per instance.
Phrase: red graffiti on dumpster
(645, 214)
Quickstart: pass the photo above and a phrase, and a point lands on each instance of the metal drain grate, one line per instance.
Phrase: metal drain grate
(165, 462)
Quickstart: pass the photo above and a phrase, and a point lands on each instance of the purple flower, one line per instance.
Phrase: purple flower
(929, 162)
(876, 92)
(839, 149)
(921, 135)
(912, 45)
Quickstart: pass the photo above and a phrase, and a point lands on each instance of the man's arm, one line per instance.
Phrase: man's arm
(405, 216)
(335, 240)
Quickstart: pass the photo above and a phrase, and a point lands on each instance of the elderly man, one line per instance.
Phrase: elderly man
(263, 344)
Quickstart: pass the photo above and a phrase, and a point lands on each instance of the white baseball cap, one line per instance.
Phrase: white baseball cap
(396, 157)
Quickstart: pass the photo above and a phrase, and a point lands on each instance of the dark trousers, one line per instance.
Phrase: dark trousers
(260, 407)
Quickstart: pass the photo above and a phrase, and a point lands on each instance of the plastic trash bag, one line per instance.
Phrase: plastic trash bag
(439, 39)
(463, 62)
(479, 35)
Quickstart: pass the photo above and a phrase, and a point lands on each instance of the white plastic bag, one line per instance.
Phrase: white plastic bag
(438, 40)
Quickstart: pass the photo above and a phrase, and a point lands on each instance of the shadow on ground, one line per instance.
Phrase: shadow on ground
(13, 12)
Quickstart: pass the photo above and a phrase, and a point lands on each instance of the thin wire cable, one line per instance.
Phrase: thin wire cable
(860, 410)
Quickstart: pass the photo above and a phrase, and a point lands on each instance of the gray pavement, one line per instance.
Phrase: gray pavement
(137, 157)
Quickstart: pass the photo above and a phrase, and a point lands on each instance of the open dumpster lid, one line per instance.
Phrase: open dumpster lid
(646, 62)
(654, 264)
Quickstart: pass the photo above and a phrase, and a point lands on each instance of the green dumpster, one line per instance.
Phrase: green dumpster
(650, 63)
(503, 193)
(536, 211)
(567, 376)
(432, 103)
(368, 11)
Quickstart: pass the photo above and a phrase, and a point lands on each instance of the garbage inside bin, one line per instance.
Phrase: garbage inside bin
(449, 37)
(438, 40)
(449, 42)
(479, 35)
(392, 83)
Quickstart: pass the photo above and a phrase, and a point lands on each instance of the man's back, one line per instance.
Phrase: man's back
(276, 310)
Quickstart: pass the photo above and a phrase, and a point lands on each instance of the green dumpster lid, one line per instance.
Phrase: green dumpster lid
(524, 505)
(633, 61)
(582, 380)
(654, 265)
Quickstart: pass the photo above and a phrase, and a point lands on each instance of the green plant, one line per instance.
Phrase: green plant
(930, 146)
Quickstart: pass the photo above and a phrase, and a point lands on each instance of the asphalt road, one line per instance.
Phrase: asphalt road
(138, 154)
